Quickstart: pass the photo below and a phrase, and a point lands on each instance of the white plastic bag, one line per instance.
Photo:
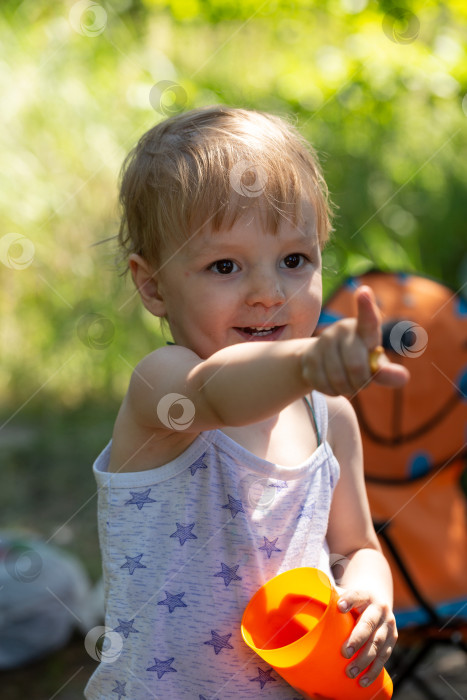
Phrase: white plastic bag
(45, 594)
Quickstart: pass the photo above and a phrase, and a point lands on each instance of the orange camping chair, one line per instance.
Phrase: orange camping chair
(414, 443)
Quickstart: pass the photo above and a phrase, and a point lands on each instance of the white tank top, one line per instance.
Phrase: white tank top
(185, 546)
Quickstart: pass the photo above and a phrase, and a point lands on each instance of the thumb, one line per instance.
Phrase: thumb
(369, 330)
(368, 317)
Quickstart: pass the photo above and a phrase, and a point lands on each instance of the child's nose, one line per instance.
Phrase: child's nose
(265, 288)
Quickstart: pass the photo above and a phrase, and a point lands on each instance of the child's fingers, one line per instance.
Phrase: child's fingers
(391, 374)
(368, 317)
(372, 671)
(367, 624)
(356, 363)
(372, 640)
(373, 655)
(369, 329)
(335, 370)
(361, 601)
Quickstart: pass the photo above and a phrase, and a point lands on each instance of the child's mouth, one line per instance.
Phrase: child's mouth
(257, 332)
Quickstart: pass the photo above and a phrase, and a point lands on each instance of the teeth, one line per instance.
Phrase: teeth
(259, 330)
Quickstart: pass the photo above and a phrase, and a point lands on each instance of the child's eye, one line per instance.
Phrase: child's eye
(223, 267)
(294, 260)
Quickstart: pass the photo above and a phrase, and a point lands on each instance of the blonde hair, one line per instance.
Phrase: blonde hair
(207, 167)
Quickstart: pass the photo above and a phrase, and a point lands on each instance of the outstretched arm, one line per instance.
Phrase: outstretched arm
(249, 382)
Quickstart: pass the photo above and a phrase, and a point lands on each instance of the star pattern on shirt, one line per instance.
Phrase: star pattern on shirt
(263, 677)
(228, 573)
(133, 563)
(120, 689)
(219, 642)
(173, 601)
(279, 485)
(140, 498)
(184, 533)
(161, 667)
(198, 464)
(269, 546)
(307, 511)
(125, 627)
(234, 505)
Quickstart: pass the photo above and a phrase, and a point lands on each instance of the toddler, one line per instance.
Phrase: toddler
(234, 455)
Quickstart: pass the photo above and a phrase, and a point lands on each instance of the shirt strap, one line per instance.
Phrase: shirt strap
(310, 406)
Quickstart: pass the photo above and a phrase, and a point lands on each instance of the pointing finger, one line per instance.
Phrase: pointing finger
(368, 318)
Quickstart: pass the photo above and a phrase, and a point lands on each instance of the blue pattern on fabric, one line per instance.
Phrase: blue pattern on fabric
(270, 546)
(185, 546)
(229, 574)
(140, 499)
(219, 642)
(199, 464)
(133, 563)
(263, 677)
(184, 533)
(173, 601)
(120, 690)
(161, 667)
(125, 627)
(234, 505)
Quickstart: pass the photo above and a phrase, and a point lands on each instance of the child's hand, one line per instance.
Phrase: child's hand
(374, 635)
(339, 362)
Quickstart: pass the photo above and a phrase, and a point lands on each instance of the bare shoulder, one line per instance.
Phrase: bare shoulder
(168, 357)
(162, 413)
(140, 441)
(162, 373)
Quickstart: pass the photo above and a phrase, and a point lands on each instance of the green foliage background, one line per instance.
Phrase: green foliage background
(378, 88)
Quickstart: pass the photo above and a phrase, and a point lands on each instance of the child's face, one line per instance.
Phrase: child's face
(219, 287)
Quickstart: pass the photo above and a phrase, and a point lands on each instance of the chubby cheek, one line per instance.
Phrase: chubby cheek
(209, 317)
(312, 308)
(216, 300)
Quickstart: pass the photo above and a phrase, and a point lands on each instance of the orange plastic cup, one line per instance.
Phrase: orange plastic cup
(293, 624)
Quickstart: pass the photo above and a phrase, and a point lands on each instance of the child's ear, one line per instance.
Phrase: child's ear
(147, 284)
